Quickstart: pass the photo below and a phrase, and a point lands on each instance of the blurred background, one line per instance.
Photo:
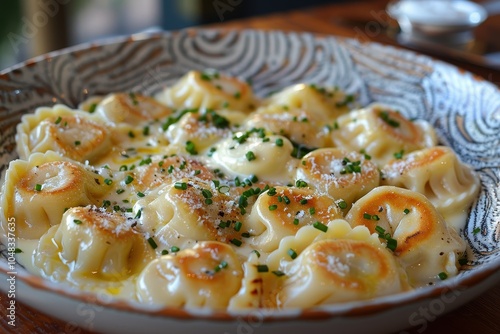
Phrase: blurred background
(33, 27)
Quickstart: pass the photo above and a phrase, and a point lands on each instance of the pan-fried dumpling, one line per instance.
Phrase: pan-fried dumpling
(426, 246)
(203, 128)
(131, 108)
(208, 90)
(194, 209)
(381, 133)
(342, 175)
(37, 191)
(167, 170)
(292, 246)
(92, 243)
(286, 209)
(72, 133)
(301, 126)
(340, 270)
(437, 173)
(246, 153)
(207, 275)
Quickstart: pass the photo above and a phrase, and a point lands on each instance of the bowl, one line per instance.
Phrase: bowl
(464, 110)
(447, 21)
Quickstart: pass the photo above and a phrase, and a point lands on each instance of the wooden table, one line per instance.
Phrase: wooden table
(367, 21)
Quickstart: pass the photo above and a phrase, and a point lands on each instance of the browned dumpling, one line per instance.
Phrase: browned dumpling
(426, 246)
(438, 174)
(91, 243)
(38, 191)
(207, 276)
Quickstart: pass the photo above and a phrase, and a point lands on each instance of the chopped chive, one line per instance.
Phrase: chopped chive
(256, 252)
(442, 276)
(120, 191)
(286, 200)
(197, 172)
(399, 155)
(77, 221)
(77, 142)
(18, 250)
(384, 115)
(367, 216)
(237, 95)
(312, 211)
(180, 185)
(108, 181)
(303, 201)
(392, 244)
(208, 201)
(237, 226)
(375, 217)
(271, 191)
(145, 131)
(262, 268)
(133, 98)
(236, 242)
(250, 156)
(129, 179)
(131, 134)
(140, 194)
(278, 273)
(58, 120)
(223, 189)
(406, 211)
(170, 169)
(476, 230)
(320, 226)
(292, 253)
(206, 193)
(174, 249)
(190, 148)
(342, 205)
(273, 207)
(92, 108)
(295, 221)
(123, 168)
(462, 261)
(152, 243)
(279, 142)
(300, 184)
(245, 235)
(164, 252)
(138, 214)
(38, 187)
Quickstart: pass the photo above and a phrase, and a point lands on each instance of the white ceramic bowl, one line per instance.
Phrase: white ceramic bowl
(464, 110)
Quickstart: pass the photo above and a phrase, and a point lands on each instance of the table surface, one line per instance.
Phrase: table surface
(366, 21)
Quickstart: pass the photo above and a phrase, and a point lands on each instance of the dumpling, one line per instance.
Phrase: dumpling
(72, 133)
(209, 90)
(344, 176)
(37, 191)
(301, 126)
(437, 173)
(257, 286)
(323, 103)
(207, 276)
(131, 108)
(194, 209)
(250, 153)
(93, 244)
(425, 245)
(340, 270)
(282, 211)
(167, 170)
(381, 133)
(203, 128)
